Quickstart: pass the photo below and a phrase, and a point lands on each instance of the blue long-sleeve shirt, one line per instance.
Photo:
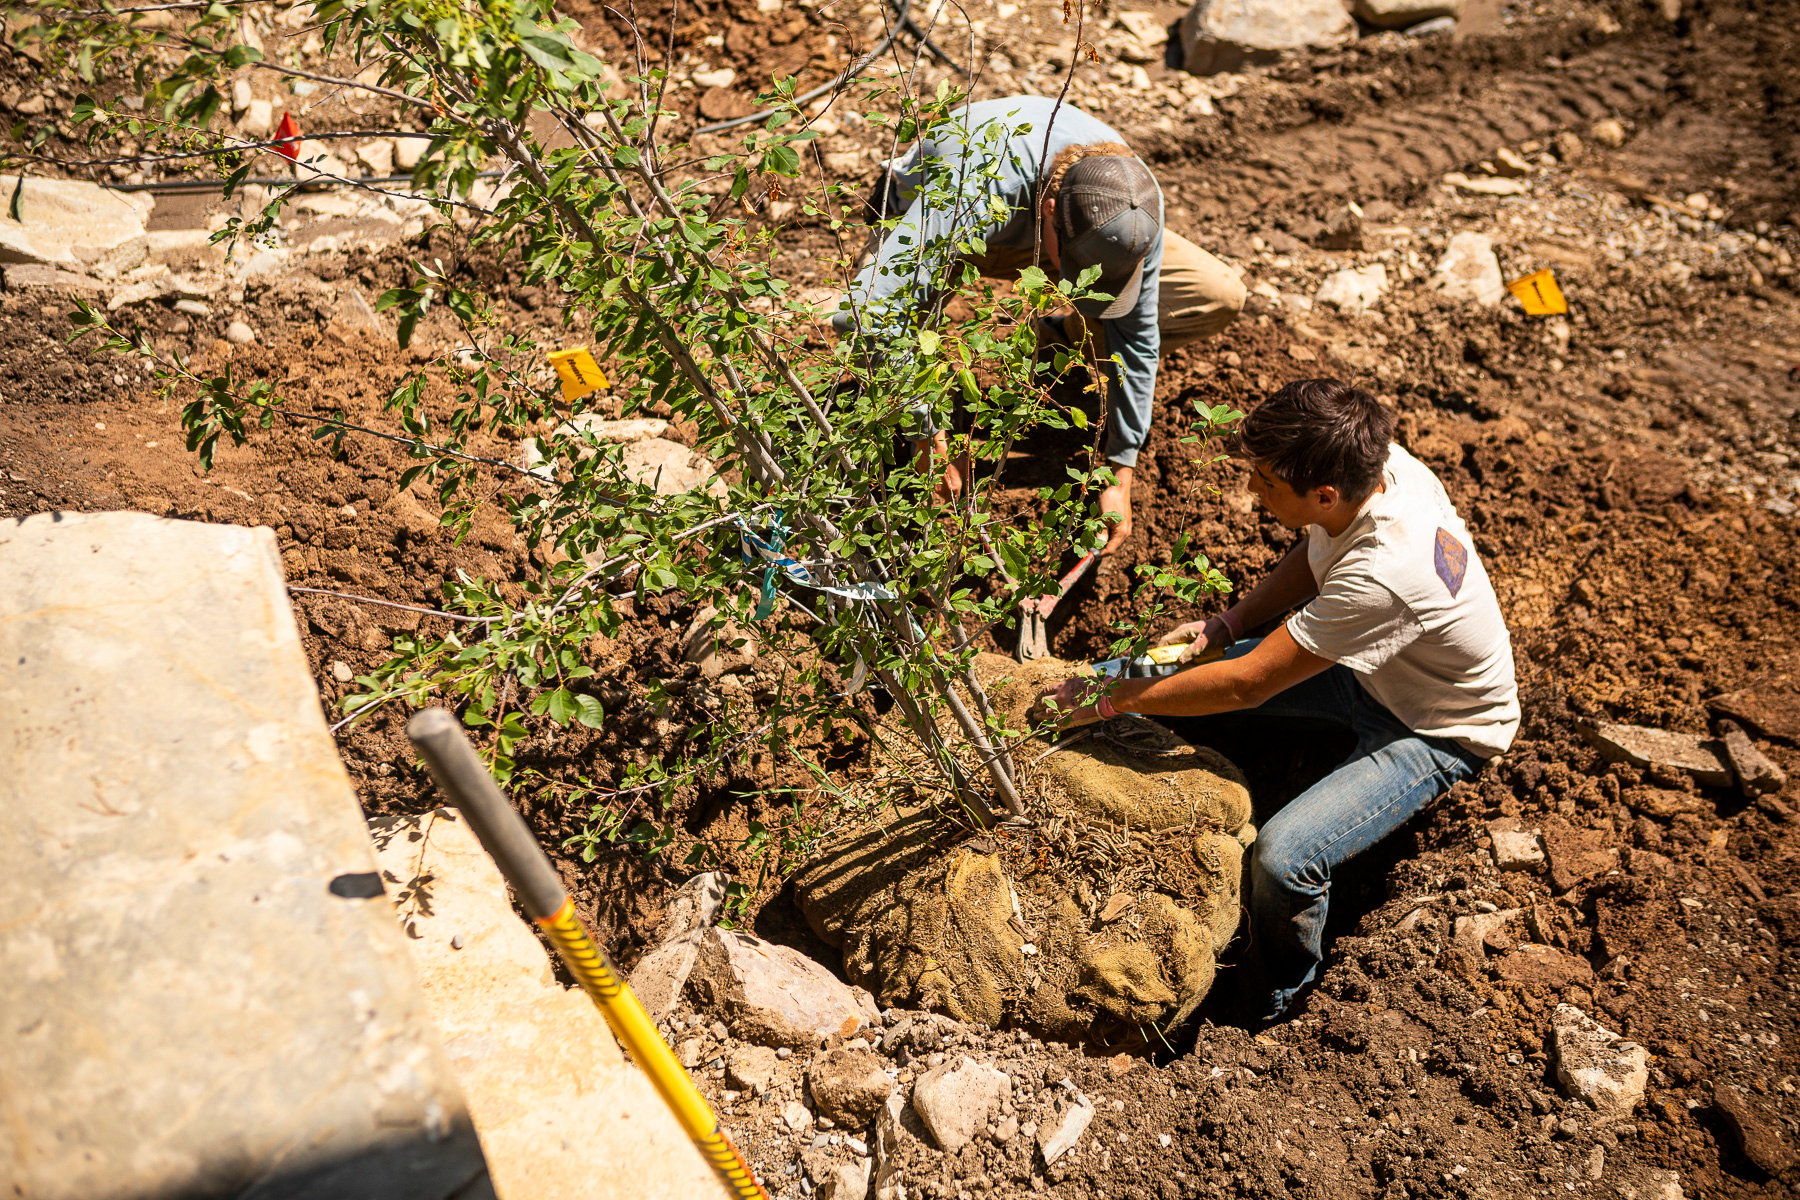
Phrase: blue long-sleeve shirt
(995, 150)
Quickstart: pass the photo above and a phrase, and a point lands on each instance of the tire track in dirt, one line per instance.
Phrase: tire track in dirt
(1400, 149)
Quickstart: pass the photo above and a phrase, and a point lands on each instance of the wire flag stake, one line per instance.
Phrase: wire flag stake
(459, 775)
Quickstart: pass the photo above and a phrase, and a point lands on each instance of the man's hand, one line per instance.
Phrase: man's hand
(1203, 639)
(1116, 499)
(1071, 703)
(936, 449)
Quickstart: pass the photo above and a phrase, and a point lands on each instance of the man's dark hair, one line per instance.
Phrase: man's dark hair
(1321, 432)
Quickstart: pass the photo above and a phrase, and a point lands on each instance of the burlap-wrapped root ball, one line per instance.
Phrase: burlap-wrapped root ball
(1099, 922)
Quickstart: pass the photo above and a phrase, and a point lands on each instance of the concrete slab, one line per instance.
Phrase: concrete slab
(561, 1114)
(203, 987)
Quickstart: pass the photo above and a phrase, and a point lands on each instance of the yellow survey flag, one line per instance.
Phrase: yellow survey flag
(579, 373)
(1539, 294)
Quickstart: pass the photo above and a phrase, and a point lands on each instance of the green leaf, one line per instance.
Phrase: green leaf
(560, 704)
(966, 378)
(588, 711)
(781, 160)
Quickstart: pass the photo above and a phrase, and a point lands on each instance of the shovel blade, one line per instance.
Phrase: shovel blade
(1034, 639)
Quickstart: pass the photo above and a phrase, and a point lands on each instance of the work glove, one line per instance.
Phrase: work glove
(1202, 640)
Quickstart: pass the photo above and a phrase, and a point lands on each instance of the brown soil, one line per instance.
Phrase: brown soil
(1632, 488)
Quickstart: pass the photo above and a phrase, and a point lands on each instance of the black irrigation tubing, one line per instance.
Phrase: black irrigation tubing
(201, 185)
(233, 148)
(122, 11)
(902, 21)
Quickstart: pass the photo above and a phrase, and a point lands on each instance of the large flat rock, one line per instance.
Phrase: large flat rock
(204, 988)
(556, 1104)
(1227, 35)
(1645, 747)
(66, 222)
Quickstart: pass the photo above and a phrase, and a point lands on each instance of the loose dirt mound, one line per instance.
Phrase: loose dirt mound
(1099, 922)
(1390, 152)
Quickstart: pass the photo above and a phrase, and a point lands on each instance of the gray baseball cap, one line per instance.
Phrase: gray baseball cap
(1108, 214)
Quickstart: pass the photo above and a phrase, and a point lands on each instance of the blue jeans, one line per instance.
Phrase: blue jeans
(1388, 779)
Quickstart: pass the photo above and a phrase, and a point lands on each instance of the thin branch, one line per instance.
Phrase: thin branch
(390, 93)
(430, 612)
(300, 417)
(1043, 188)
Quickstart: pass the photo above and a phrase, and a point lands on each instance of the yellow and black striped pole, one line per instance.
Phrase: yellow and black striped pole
(509, 841)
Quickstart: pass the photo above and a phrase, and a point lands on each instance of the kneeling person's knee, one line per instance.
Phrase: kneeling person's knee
(1198, 295)
(1280, 859)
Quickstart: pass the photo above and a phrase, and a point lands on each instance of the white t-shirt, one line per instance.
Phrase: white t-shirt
(1405, 603)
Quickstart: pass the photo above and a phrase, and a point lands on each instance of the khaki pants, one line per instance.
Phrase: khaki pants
(1198, 295)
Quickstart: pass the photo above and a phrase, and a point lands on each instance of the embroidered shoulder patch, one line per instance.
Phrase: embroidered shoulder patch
(1451, 560)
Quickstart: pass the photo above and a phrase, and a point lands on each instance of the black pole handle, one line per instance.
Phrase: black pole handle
(459, 775)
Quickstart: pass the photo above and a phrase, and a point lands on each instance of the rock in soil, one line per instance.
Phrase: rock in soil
(1531, 966)
(65, 222)
(1058, 1135)
(669, 468)
(896, 1124)
(1770, 712)
(660, 977)
(257, 120)
(604, 429)
(1477, 933)
(42, 277)
(751, 1068)
(694, 906)
(1404, 14)
(1575, 854)
(957, 1100)
(1469, 272)
(1224, 35)
(1485, 185)
(773, 994)
(1757, 1135)
(845, 1181)
(1516, 849)
(849, 1085)
(1353, 289)
(1756, 772)
(1641, 747)
(1594, 1064)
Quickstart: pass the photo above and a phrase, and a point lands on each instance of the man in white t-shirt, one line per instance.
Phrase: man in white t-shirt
(1398, 637)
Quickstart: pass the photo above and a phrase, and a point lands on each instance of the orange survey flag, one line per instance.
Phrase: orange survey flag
(1538, 293)
(579, 373)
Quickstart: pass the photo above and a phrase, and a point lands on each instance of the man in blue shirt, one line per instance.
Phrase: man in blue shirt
(1100, 206)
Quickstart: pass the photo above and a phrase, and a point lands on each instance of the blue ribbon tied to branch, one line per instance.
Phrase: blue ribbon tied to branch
(767, 547)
